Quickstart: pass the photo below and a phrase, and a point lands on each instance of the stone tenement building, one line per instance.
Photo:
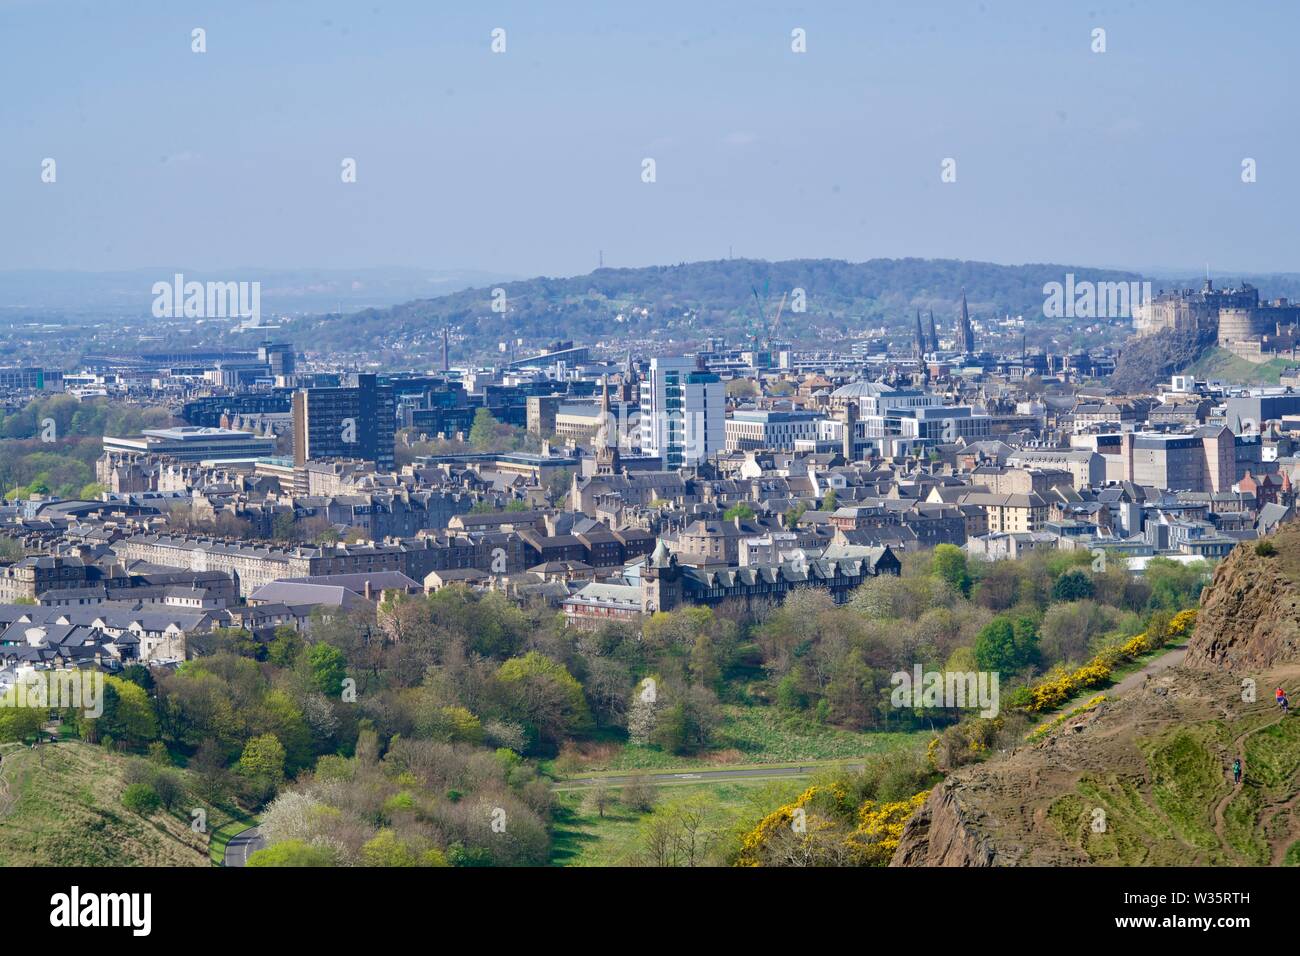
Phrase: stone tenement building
(255, 565)
(666, 584)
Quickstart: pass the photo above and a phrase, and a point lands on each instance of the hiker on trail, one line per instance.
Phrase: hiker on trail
(1236, 771)
(1280, 696)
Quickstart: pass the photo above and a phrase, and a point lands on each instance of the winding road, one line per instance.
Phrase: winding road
(241, 845)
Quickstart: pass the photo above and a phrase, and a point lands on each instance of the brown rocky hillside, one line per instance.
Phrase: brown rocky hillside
(1144, 779)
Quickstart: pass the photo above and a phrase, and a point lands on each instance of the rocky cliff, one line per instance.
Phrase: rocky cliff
(1143, 778)
(1250, 613)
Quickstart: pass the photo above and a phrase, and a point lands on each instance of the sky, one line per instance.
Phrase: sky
(530, 161)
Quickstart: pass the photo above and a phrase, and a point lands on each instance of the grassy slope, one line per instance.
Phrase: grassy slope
(1220, 363)
(61, 805)
(1187, 809)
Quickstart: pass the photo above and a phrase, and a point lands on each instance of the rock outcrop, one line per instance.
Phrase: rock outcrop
(942, 833)
(1250, 614)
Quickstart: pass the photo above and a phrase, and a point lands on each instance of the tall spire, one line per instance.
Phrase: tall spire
(934, 336)
(965, 332)
(920, 337)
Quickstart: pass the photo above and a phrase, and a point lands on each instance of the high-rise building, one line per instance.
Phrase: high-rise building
(356, 420)
(277, 356)
(683, 412)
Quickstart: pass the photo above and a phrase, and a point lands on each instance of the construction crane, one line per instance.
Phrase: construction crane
(768, 329)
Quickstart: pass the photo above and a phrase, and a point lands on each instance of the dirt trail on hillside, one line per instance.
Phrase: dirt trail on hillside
(7, 795)
(1009, 811)
(1238, 750)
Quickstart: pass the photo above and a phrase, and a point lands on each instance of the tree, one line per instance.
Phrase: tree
(949, 564)
(688, 725)
(284, 647)
(558, 486)
(263, 757)
(1073, 586)
(292, 853)
(739, 510)
(544, 696)
(128, 717)
(385, 849)
(830, 500)
(283, 527)
(1006, 646)
(483, 432)
(677, 834)
(328, 668)
(639, 793)
(599, 799)
(17, 721)
(167, 785)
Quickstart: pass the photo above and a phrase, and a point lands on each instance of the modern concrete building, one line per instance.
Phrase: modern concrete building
(353, 421)
(753, 429)
(191, 443)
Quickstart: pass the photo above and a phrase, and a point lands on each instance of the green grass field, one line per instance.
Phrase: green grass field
(748, 736)
(580, 837)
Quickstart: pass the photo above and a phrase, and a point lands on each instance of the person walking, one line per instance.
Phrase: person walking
(1236, 771)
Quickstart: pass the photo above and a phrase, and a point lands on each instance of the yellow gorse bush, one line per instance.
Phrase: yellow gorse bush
(879, 826)
(1060, 686)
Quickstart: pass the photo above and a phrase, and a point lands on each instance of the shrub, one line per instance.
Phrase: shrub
(141, 798)
(1265, 548)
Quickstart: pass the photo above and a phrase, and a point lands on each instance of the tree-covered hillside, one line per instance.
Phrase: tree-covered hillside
(686, 302)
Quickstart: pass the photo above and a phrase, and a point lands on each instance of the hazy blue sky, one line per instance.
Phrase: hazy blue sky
(530, 161)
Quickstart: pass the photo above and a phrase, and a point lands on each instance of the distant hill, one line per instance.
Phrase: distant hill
(686, 302)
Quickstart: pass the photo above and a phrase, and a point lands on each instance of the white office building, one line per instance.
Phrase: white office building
(683, 412)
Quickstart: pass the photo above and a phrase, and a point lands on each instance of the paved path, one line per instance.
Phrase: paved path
(667, 778)
(1156, 667)
(241, 845)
